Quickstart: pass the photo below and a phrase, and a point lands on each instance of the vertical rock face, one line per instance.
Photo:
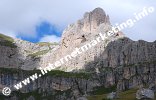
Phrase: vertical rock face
(63, 87)
(126, 52)
(93, 19)
(127, 63)
(9, 58)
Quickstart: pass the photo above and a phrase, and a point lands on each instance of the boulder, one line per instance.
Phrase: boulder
(112, 95)
(145, 94)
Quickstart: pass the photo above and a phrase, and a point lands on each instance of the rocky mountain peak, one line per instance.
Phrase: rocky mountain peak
(96, 13)
(94, 18)
(90, 25)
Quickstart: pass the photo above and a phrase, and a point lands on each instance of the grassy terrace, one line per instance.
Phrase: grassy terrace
(37, 95)
(39, 53)
(7, 41)
(125, 95)
(58, 73)
(43, 51)
(54, 73)
(46, 43)
(16, 71)
(103, 90)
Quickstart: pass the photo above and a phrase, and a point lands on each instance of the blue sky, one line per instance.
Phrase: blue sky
(44, 21)
(42, 30)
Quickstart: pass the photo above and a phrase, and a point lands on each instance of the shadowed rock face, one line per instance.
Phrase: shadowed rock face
(126, 63)
(50, 87)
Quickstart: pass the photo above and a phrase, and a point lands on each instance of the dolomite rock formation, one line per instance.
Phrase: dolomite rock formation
(29, 56)
(117, 61)
(82, 32)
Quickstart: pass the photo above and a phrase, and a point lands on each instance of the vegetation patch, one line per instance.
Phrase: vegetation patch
(7, 41)
(125, 95)
(47, 44)
(7, 38)
(39, 53)
(8, 70)
(38, 95)
(16, 71)
(58, 73)
(55, 73)
(103, 90)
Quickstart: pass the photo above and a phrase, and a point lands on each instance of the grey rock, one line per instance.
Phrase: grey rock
(82, 98)
(145, 94)
(112, 96)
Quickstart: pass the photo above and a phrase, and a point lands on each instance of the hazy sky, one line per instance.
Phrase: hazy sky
(44, 20)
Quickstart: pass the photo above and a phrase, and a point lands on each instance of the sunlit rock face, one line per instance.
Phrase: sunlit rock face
(81, 33)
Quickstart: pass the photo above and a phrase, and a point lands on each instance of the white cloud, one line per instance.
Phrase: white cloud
(50, 38)
(21, 16)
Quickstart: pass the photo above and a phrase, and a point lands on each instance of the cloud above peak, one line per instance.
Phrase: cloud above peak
(50, 38)
(20, 18)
